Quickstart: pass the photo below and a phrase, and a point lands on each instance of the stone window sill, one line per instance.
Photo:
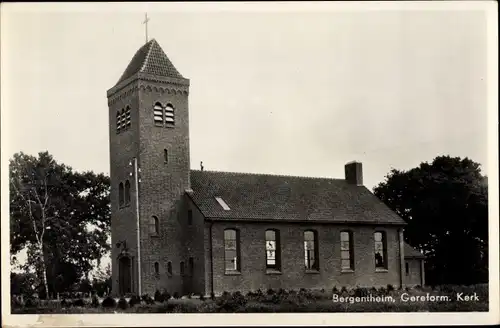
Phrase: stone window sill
(232, 273)
(272, 271)
(381, 270)
(347, 271)
(312, 271)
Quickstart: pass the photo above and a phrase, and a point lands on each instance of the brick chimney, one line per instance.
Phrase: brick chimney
(354, 173)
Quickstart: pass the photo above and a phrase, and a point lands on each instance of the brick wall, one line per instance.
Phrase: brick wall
(414, 276)
(293, 275)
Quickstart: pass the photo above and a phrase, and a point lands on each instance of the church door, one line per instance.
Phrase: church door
(125, 277)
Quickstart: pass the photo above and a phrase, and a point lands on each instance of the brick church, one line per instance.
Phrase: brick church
(195, 231)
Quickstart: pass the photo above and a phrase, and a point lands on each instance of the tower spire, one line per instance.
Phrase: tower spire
(146, 20)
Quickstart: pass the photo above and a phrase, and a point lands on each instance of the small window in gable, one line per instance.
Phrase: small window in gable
(169, 115)
(158, 114)
(118, 122)
(127, 117)
(222, 203)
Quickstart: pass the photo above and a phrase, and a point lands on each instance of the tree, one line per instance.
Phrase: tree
(445, 206)
(62, 217)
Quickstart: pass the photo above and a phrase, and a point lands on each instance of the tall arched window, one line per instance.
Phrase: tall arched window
(157, 268)
(154, 226)
(231, 250)
(127, 117)
(273, 256)
(169, 268)
(311, 257)
(118, 122)
(158, 114)
(380, 250)
(120, 194)
(169, 115)
(127, 192)
(346, 250)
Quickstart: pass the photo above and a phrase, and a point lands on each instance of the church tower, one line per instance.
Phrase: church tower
(149, 159)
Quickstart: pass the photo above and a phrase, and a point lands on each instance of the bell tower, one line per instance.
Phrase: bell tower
(149, 169)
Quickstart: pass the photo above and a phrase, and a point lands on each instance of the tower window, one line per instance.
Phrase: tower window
(191, 266)
(190, 217)
(169, 268)
(165, 155)
(158, 114)
(157, 268)
(169, 115)
(127, 117)
(120, 194)
(127, 192)
(154, 226)
(407, 268)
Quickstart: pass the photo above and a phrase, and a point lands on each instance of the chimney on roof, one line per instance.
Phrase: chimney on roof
(354, 173)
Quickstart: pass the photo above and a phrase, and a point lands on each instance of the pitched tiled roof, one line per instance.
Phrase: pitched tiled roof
(411, 252)
(150, 59)
(276, 197)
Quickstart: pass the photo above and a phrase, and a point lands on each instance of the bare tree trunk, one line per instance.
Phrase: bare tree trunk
(44, 269)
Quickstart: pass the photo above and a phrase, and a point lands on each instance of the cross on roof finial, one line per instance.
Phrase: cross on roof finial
(146, 20)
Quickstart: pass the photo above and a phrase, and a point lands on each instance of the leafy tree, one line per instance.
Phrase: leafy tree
(445, 204)
(22, 283)
(60, 216)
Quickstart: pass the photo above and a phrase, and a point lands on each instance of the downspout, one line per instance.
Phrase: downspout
(136, 173)
(402, 257)
(211, 261)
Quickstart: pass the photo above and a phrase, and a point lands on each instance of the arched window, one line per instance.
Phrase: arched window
(120, 194)
(182, 268)
(311, 257)
(122, 120)
(158, 114)
(169, 268)
(118, 122)
(127, 117)
(154, 226)
(273, 254)
(169, 115)
(380, 250)
(191, 266)
(346, 250)
(232, 250)
(157, 268)
(127, 192)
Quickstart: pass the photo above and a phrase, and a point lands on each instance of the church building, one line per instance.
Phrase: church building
(196, 231)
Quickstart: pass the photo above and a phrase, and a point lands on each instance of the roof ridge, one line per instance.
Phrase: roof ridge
(270, 174)
(146, 58)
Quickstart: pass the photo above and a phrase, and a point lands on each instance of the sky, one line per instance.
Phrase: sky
(295, 92)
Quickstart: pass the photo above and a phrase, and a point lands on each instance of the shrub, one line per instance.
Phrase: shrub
(95, 301)
(79, 302)
(382, 291)
(31, 302)
(166, 295)
(122, 303)
(335, 290)
(212, 296)
(66, 303)
(270, 291)
(134, 300)
(361, 292)
(148, 299)
(390, 288)
(202, 297)
(109, 302)
(177, 295)
(15, 302)
(159, 296)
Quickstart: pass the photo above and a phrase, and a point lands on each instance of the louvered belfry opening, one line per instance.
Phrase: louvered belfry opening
(127, 117)
(158, 114)
(169, 115)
